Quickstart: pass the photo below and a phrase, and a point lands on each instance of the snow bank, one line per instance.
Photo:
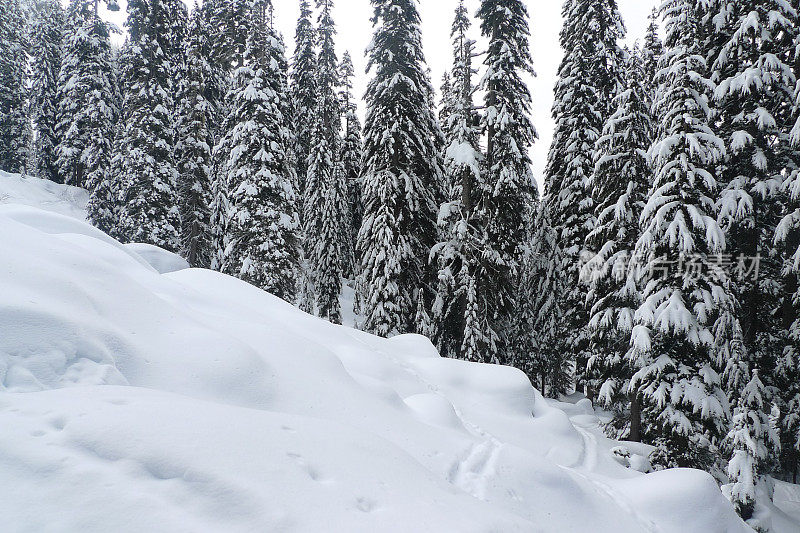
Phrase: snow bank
(136, 400)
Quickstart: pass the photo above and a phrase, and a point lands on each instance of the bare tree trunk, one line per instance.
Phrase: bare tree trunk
(635, 418)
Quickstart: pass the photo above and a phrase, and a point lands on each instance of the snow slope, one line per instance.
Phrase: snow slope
(140, 395)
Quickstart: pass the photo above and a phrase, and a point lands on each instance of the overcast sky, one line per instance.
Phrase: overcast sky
(352, 18)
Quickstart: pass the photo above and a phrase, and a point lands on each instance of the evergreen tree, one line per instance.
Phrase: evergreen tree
(787, 236)
(325, 202)
(588, 80)
(509, 185)
(13, 148)
(755, 87)
(262, 243)
(446, 105)
(652, 50)
(193, 148)
(45, 36)
(620, 184)
(229, 24)
(88, 99)
(673, 342)
(402, 172)
(753, 442)
(458, 304)
(304, 90)
(147, 139)
(351, 160)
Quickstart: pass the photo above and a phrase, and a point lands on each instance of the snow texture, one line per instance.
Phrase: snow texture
(190, 401)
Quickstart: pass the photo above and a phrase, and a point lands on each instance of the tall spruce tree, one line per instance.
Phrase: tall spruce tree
(509, 185)
(753, 442)
(673, 341)
(402, 173)
(229, 24)
(588, 80)
(325, 198)
(193, 147)
(45, 37)
(13, 61)
(88, 99)
(755, 87)
(304, 89)
(262, 241)
(462, 327)
(621, 182)
(787, 236)
(147, 139)
(652, 50)
(351, 153)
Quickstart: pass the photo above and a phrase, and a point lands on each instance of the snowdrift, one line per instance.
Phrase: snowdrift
(139, 395)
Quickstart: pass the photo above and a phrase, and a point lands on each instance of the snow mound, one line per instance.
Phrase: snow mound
(132, 400)
(163, 261)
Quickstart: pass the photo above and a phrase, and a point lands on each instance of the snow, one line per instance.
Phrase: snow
(134, 400)
(162, 260)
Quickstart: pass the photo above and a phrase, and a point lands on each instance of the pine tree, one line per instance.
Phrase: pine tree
(351, 160)
(45, 35)
(755, 87)
(88, 99)
(229, 26)
(262, 227)
(752, 441)
(673, 340)
(304, 89)
(787, 236)
(458, 304)
(147, 140)
(446, 105)
(509, 185)
(588, 80)
(402, 172)
(13, 148)
(620, 184)
(325, 198)
(652, 50)
(193, 148)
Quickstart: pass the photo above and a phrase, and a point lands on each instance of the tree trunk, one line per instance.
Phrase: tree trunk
(635, 419)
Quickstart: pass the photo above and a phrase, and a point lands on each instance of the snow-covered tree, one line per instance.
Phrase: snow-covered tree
(402, 172)
(229, 24)
(588, 80)
(787, 236)
(262, 241)
(652, 50)
(88, 106)
(304, 89)
(147, 139)
(755, 87)
(446, 103)
(351, 153)
(13, 61)
(509, 185)
(458, 305)
(325, 197)
(621, 182)
(193, 148)
(673, 340)
(45, 36)
(752, 442)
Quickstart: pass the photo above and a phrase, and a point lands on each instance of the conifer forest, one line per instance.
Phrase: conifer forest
(653, 268)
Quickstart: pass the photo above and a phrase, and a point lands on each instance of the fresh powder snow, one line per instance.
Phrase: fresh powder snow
(137, 394)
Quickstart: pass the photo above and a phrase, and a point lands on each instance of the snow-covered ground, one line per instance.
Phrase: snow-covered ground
(139, 395)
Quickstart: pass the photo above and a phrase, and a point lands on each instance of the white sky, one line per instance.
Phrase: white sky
(352, 18)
